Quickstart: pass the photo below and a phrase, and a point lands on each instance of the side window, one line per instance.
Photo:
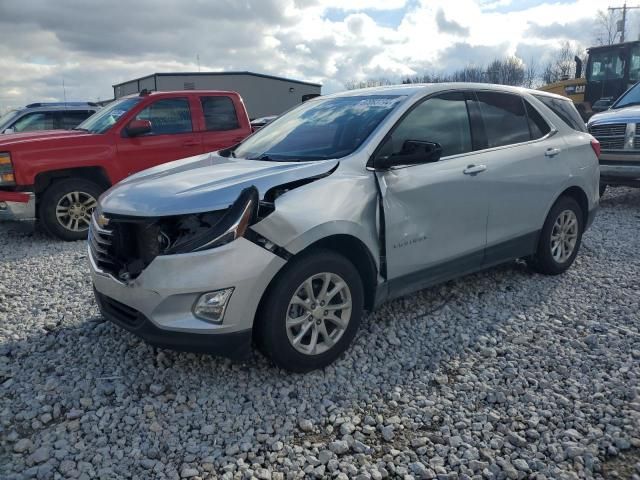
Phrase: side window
(537, 125)
(168, 116)
(35, 121)
(566, 110)
(504, 118)
(219, 113)
(442, 119)
(73, 118)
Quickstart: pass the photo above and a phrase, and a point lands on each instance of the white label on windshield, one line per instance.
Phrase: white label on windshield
(118, 113)
(378, 102)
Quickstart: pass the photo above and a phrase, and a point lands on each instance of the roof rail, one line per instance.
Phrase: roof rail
(61, 104)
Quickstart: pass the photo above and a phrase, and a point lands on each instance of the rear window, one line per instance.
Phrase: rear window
(219, 113)
(565, 110)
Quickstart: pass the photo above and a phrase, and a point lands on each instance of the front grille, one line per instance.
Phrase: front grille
(100, 243)
(608, 130)
(119, 312)
(611, 143)
(124, 247)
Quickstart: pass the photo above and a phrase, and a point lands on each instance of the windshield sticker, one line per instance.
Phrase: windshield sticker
(378, 102)
(118, 113)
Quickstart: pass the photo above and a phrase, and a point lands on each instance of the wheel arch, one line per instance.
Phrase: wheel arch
(44, 179)
(346, 245)
(579, 195)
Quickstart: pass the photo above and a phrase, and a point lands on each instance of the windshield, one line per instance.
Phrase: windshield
(7, 117)
(103, 119)
(319, 129)
(630, 97)
(605, 65)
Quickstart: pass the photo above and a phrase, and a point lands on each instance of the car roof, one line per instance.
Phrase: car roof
(420, 89)
(57, 107)
(174, 93)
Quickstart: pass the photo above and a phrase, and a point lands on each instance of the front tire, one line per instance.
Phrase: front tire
(311, 312)
(560, 238)
(66, 207)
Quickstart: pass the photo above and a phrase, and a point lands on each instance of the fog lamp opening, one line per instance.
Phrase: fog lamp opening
(212, 305)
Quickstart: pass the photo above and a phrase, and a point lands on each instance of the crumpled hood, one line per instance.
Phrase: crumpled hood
(200, 184)
(622, 115)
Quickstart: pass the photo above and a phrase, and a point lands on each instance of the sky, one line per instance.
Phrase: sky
(91, 45)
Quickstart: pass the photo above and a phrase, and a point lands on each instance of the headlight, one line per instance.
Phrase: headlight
(233, 224)
(6, 170)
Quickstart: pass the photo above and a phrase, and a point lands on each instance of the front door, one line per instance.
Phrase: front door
(436, 213)
(172, 136)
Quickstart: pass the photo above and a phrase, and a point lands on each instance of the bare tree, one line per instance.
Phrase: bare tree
(563, 65)
(509, 71)
(531, 73)
(606, 24)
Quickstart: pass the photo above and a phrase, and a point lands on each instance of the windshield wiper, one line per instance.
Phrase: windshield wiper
(80, 129)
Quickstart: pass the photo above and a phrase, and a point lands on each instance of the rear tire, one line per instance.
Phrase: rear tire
(300, 331)
(66, 207)
(560, 238)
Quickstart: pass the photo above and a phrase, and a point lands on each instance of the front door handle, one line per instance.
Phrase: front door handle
(552, 152)
(474, 169)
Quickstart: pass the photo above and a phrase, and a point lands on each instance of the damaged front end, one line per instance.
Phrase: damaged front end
(124, 246)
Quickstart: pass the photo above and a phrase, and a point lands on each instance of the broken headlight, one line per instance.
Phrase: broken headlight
(211, 230)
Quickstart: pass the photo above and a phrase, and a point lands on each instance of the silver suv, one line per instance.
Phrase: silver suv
(344, 202)
(46, 116)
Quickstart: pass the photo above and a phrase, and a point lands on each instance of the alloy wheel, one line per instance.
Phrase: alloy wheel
(74, 210)
(564, 236)
(319, 313)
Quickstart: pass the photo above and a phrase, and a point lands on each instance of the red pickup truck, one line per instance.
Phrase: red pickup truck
(57, 176)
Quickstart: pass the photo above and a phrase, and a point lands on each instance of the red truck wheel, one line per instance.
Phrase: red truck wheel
(66, 207)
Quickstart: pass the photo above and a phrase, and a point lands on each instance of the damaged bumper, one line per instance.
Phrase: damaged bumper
(158, 305)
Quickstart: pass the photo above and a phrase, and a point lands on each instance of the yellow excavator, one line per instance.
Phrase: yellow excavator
(610, 71)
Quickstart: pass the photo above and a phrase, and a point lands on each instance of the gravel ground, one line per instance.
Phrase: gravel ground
(503, 374)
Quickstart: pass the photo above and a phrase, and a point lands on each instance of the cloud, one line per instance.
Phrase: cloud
(450, 26)
(92, 45)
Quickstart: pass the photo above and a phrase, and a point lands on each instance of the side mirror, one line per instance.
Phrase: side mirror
(138, 127)
(414, 152)
(8, 130)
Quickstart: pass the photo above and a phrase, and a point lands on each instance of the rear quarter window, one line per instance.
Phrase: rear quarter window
(566, 110)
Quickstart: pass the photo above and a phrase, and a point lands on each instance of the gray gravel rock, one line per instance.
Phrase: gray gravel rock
(502, 374)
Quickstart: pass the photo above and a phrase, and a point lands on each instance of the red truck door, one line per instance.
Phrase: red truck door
(173, 136)
(223, 126)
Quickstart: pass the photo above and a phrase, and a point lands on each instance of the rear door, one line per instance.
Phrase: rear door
(435, 213)
(172, 136)
(525, 168)
(222, 125)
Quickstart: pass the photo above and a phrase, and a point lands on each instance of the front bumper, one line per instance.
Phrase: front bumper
(159, 302)
(619, 172)
(17, 205)
(234, 345)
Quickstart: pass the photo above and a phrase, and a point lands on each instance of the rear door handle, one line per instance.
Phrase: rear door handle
(552, 152)
(474, 169)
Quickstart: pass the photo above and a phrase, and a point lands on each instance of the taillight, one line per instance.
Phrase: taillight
(595, 144)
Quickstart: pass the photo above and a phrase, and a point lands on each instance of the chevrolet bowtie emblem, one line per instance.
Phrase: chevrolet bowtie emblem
(102, 221)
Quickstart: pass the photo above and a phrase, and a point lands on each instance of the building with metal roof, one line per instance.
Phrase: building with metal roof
(263, 94)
